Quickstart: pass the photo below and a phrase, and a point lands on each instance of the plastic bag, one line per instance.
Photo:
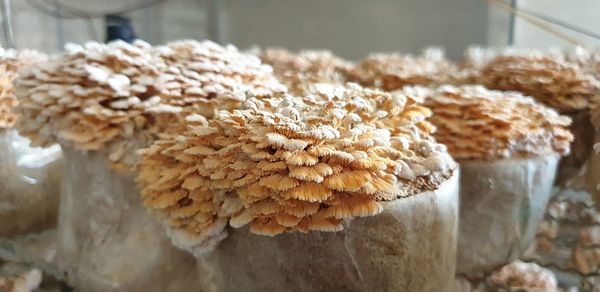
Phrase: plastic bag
(30, 180)
(106, 240)
(501, 206)
(410, 246)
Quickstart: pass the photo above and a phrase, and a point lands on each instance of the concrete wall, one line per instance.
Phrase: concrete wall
(175, 19)
(352, 28)
(583, 13)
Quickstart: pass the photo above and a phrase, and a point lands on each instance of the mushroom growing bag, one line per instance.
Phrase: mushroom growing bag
(102, 103)
(507, 146)
(292, 175)
(29, 176)
(561, 84)
(502, 205)
(30, 180)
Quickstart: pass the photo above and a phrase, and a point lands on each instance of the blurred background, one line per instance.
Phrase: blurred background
(350, 28)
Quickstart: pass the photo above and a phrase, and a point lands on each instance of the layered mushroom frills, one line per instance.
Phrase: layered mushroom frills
(285, 164)
(119, 97)
(478, 123)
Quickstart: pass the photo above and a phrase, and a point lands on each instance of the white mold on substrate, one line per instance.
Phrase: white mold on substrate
(410, 246)
(30, 179)
(106, 240)
(501, 206)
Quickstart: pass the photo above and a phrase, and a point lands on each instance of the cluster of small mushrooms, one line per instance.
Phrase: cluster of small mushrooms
(11, 61)
(280, 141)
(477, 123)
(118, 97)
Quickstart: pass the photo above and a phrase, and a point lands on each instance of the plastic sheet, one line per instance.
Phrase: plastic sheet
(30, 180)
(411, 246)
(502, 205)
(106, 240)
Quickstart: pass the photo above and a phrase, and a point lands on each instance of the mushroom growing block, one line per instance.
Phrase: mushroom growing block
(29, 176)
(102, 103)
(560, 84)
(343, 186)
(507, 146)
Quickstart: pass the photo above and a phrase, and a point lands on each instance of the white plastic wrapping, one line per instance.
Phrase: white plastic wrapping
(30, 179)
(501, 206)
(410, 246)
(106, 240)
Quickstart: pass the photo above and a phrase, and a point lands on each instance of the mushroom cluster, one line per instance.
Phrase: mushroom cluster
(392, 71)
(562, 85)
(299, 71)
(284, 163)
(12, 61)
(20, 281)
(477, 123)
(118, 97)
(524, 276)
(204, 77)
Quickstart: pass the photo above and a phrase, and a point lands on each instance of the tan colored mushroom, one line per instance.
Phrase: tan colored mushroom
(557, 83)
(507, 146)
(286, 164)
(524, 276)
(27, 281)
(299, 71)
(118, 97)
(103, 102)
(29, 176)
(392, 71)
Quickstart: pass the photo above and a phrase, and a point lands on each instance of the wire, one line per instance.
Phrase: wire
(563, 24)
(7, 24)
(535, 21)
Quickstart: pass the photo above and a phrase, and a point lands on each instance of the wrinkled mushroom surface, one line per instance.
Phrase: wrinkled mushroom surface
(285, 164)
(118, 97)
(555, 82)
(480, 124)
(392, 71)
(298, 71)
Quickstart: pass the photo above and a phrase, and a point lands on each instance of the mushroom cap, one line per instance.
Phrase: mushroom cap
(553, 81)
(477, 123)
(527, 276)
(11, 61)
(392, 71)
(299, 70)
(119, 97)
(286, 163)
